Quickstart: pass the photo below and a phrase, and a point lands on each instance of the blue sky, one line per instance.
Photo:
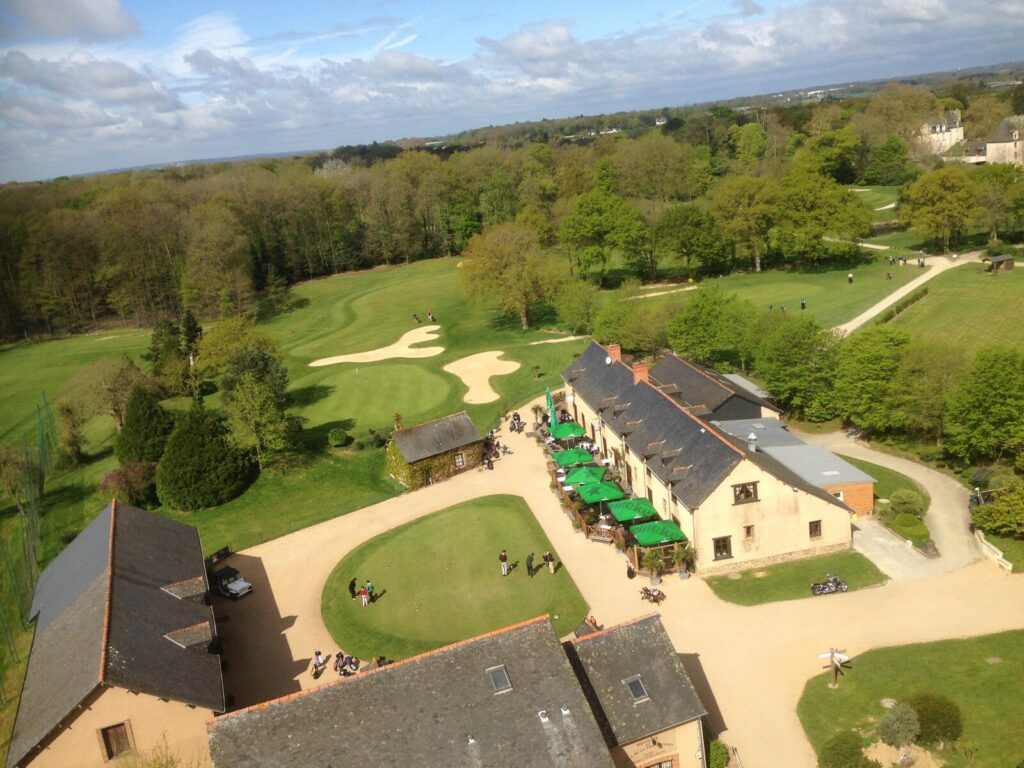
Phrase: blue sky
(95, 84)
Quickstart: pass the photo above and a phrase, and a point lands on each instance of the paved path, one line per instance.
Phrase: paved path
(756, 659)
(937, 265)
(948, 515)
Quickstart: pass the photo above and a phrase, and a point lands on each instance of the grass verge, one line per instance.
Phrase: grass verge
(439, 581)
(792, 581)
(987, 693)
(1013, 550)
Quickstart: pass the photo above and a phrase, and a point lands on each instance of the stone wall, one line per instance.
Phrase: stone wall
(730, 567)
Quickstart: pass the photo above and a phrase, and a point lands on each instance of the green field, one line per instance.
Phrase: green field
(439, 581)
(1013, 550)
(878, 197)
(988, 695)
(792, 581)
(887, 482)
(969, 308)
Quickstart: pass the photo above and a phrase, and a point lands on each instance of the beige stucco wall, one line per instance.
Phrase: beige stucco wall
(151, 719)
(940, 141)
(781, 518)
(1005, 152)
(682, 745)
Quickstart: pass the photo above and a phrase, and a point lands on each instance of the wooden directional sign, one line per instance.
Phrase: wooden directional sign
(837, 658)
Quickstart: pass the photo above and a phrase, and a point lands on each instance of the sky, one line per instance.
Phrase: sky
(89, 85)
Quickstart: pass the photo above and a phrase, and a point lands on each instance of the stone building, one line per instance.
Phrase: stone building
(434, 451)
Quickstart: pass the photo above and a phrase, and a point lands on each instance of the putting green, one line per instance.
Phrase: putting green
(439, 581)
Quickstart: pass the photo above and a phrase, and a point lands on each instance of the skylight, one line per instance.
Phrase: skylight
(636, 689)
(499, 679)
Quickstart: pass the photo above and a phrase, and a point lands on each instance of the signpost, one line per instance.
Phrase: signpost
(837, 662)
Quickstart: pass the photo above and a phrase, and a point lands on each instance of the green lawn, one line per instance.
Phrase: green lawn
(439, 582)
(887, 482)
(988, 695)
(1013, 550)
(878, 197)
(792, 581)
(969, 308)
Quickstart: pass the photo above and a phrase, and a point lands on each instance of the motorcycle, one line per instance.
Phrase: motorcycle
(652, 595)
(829, 585)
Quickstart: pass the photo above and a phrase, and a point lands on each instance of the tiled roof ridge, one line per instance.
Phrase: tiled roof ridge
(109, 594)
(606, 630)
(433, 421)
(394, 665)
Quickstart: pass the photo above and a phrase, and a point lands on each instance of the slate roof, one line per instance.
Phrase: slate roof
(700, 388)
(999, 259)
(436, 437)
(817, 465)
(101, 615)
(437, 709)
(604, 660)
(770, 432)
(1004, 131)
(680, 449)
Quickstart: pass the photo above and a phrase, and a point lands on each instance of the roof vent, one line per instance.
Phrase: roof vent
(752, 442)
(470, 739)
(565, 710)
(543, 715)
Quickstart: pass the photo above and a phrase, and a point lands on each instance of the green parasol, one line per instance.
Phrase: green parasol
(584, 476)
(632, 509)
(597, 492)
(551, 406)
(572, 457)
(657, 532)
(567, 429)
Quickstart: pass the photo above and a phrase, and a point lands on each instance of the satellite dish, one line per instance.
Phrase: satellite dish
(608, 361)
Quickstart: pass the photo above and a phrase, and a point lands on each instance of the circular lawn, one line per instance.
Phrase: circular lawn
(438, 581)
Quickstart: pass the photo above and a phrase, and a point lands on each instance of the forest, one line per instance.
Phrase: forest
(708, 192)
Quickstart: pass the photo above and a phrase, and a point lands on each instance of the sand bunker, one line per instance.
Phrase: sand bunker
(476, 372)
(886, 207)
(401, 348)
(556, 341)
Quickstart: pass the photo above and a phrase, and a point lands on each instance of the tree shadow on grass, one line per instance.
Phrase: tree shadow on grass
(306, 396)
(541, 314)
(315, 438)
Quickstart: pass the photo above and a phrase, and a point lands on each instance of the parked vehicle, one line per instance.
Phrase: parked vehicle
(829, 585)
(229, 582)
(652, 595)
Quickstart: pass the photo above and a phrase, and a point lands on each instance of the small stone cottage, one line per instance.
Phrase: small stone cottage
(434, 451)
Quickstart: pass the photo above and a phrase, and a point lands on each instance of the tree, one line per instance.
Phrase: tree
(928, 372)
(748, 144)
(69, 433)
(256, 418)
(689, 236)
(636, 323)
(984, 115)
(865, 371)
(15, 469)
(1000, 193)
(134, 482)
(1005, 514)
(601, 223)
(907, 502)
(224, 340)
(105, 386)
(890, 164)
(146, 429)
(746, 207)
(939, 718)
(711, 327)
(504, 264)
(811, 206)
(844, 751)
(200, 468)
(577, 304)
(941, 203)
(899, 726)
(796, 362)
(984, 416)
(263, 363)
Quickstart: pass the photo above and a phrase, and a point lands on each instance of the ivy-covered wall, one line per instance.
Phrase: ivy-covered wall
(436, 468)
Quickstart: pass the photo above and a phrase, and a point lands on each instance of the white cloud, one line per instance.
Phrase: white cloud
(81, 19)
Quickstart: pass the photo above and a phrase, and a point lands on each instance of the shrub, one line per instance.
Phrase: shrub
(938, 716)
(337, 437)
(146, 429)
(899, 726)
(718, 754)
(843, 751)
(906, 501)
(200, 468)
(372, 439)
(134, 482)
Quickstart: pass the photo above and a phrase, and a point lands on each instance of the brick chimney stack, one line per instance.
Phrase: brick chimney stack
(615, 352)
(640, 373)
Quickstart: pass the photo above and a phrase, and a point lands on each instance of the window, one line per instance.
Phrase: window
(460, 460)
(723, 548)
(744, 493)
(748, 532)
(838, 494)
(636, 689)
(650, 495)
(499, 679)
(116, 740)
(815, 529)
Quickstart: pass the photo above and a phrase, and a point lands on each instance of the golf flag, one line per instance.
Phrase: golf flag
(551, 407)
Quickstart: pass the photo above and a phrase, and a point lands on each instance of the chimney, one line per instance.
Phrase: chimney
(640, 373)
(615, 352)
(752, 442)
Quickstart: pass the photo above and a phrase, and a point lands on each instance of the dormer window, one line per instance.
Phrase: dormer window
(636, 689)
(499, 679)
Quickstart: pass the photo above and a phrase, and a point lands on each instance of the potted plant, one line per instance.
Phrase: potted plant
(685, 563)
(654, 561)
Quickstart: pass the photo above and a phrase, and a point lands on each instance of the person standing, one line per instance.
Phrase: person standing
(529, 565)
(364, 596)
(550, 560)
(352, 588)
(430, 315)
(503, 559)
(369, 590)
(849, 278)
(803, 304)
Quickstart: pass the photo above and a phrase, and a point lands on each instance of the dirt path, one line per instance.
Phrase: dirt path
(756, 659)
(401, 348)
(476, 372)
(556, 341)
(937, 265)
